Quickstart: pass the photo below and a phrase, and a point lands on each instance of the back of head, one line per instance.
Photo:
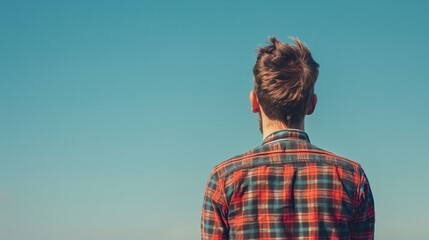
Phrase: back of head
(285, 75)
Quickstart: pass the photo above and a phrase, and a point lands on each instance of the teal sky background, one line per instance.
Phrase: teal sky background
(113, 113)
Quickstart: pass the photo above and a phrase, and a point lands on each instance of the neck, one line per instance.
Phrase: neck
(269, 126)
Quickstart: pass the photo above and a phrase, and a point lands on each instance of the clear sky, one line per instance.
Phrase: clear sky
(113, 113)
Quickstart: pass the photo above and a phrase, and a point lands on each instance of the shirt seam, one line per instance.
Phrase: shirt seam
(320, 152)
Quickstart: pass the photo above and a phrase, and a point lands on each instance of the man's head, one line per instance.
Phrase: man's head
(284, 78)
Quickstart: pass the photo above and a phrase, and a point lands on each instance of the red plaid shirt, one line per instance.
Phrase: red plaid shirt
(288, 189)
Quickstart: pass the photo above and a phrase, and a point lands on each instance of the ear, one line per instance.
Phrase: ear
(312, 106)
(254, 102)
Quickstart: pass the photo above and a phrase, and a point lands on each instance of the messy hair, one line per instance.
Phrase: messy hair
(284, 78)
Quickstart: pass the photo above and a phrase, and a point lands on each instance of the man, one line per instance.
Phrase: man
(286, 188)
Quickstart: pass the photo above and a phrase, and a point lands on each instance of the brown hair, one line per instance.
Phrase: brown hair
(284, 80)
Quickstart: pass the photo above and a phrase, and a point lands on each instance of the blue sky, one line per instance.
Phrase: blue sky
(113, 113)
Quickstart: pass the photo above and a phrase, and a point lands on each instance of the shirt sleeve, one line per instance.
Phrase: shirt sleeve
(363, 226)
(214, 223)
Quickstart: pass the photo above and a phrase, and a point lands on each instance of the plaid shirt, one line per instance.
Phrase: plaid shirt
(287, 189)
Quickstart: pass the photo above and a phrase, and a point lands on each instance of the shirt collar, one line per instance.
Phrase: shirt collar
(286, 134)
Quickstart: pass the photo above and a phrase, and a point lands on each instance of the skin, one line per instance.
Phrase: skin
(267, 125)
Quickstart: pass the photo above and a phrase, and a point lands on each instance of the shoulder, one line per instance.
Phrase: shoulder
(284, 153)
(235, 163)
(336, 159)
